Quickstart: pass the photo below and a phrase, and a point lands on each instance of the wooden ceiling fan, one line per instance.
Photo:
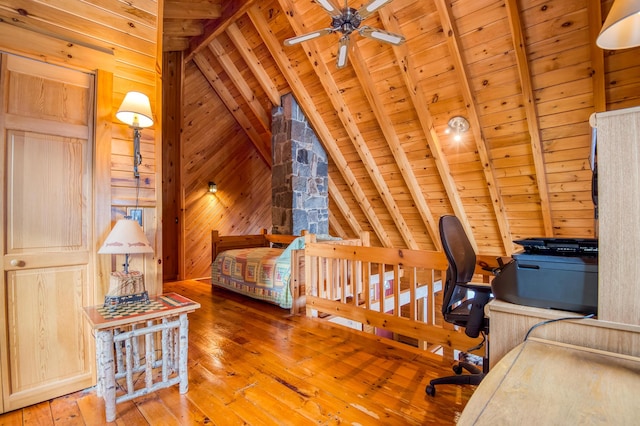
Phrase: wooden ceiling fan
(346, 21)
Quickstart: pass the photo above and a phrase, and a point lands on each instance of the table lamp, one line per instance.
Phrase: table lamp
(126, 286)
(621, 29)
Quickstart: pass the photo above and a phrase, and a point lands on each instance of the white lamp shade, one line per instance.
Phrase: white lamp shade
(135, 110)
(621, 29)
(126, 237)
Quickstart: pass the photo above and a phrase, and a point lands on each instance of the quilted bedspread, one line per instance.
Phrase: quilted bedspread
(262, 273)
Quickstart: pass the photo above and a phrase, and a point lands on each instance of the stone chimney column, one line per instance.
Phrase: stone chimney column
(299, 176)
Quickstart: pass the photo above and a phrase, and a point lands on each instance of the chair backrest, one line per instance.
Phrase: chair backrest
(461, 257)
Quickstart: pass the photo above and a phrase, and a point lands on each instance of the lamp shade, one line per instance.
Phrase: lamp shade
(126, 237)
(135, 110)
(621, 29)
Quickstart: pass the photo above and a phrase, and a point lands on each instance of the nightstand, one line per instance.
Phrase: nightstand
(126, 347)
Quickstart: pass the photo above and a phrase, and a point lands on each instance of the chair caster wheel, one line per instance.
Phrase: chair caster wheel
(431, 390)
(457, 369)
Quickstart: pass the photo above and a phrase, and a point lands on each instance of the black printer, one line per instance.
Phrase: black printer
(556, 273)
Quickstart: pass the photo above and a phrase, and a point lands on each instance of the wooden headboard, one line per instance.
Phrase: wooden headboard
(229, 242)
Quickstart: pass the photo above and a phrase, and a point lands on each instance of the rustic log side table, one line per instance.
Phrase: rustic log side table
(119, 332)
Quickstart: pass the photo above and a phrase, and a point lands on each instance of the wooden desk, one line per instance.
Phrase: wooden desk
(549, 383)
(509, 324)
(119, 332)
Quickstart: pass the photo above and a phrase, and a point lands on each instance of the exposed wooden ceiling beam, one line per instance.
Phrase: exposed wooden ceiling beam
(261, 141)
(531, 113)
(240, 83)
(334, 224)
(421, 107)
(231, 11)
(444, 11)
(349, 122)
(176, 33)
(254, 64)
(175, 44)
(182, 27)
(386, 125)
(343, 207)
(323, 132)
(199, 9)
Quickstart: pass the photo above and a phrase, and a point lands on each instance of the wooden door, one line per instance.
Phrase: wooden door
(46, 133)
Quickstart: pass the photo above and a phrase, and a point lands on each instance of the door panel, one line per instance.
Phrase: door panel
(44, 339)
(47, 212)
(44, 207)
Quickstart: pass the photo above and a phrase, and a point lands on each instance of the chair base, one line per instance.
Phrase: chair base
(474, 378)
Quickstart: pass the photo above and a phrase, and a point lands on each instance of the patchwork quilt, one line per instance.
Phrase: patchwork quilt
(262, 273)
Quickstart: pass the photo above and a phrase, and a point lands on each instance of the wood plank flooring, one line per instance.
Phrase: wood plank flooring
(254, 364)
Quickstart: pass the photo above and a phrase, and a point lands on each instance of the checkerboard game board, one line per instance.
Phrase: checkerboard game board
(165, 304)
(130, 309)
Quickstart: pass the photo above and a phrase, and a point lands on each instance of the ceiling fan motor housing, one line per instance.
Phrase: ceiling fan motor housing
(347, 22)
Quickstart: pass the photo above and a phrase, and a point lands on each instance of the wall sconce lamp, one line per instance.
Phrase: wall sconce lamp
(213, 188)
(458, 125)
(135, 111)
(621, 29)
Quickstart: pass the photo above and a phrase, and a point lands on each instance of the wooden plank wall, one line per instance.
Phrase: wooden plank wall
(215, 148)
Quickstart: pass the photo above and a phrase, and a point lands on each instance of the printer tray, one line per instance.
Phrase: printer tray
(556, 282)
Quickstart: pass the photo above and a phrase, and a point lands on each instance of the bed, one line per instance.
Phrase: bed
(264, 266)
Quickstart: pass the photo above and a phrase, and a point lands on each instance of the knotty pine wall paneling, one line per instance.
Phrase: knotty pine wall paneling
(215, 148)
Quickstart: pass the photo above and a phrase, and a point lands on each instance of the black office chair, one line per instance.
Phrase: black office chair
(467, 313)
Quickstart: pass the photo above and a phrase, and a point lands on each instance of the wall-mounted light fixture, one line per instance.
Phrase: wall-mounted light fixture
(457, 125)
(621, 29)
(213, 188)
(135, 111)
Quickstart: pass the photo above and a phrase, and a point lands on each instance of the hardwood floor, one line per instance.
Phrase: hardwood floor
(251, 363)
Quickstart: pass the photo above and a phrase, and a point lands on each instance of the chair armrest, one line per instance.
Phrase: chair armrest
(476, 320)
(477, 287)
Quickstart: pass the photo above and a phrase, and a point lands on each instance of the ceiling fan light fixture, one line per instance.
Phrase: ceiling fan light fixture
(343, 50)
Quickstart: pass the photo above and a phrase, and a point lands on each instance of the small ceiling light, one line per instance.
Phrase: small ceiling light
(458, 125)
(213, 188)
(621, 29)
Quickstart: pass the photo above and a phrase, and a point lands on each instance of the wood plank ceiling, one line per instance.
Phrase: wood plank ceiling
(525, 74)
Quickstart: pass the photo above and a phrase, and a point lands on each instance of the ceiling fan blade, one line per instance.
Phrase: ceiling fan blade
(381, 35)
(343, 52)
(329, 7)
(371, 7)
(309, 36)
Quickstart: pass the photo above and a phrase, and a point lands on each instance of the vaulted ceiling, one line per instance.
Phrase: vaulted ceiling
(526, 74)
